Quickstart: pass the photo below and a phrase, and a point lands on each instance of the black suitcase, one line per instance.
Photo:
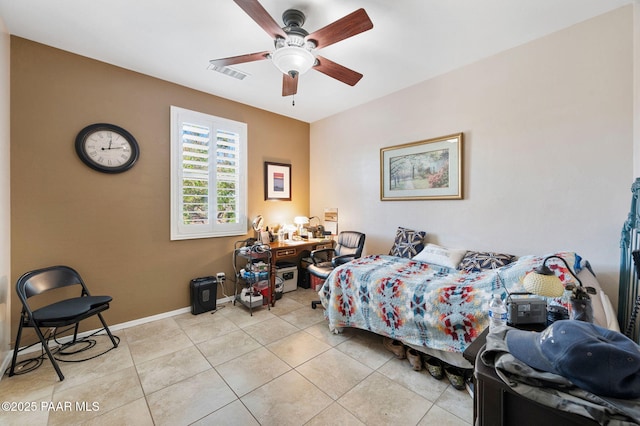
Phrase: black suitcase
(203, 294)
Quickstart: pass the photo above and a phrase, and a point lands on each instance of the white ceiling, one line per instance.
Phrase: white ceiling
(411, 41)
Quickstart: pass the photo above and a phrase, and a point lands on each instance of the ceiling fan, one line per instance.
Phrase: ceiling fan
(294, 52)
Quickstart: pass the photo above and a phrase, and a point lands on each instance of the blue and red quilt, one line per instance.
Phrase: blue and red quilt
(422, 304)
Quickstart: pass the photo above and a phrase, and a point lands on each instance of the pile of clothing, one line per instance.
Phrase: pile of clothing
(574, 366)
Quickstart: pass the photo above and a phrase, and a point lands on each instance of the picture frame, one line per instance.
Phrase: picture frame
(331, 220)
(425, 170)
(277, 181)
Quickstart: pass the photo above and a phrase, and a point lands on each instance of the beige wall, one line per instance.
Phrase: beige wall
(548, 130)
(115, 228)
(5, 231)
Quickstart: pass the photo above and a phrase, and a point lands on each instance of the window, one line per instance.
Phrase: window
(208, 176)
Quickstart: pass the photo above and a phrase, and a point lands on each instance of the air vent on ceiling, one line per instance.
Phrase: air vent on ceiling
(228, 71)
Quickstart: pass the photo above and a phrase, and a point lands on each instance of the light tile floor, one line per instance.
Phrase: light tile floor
(278, 367)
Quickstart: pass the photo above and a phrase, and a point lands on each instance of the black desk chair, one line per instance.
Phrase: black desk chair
(58, 314)
(349, 247)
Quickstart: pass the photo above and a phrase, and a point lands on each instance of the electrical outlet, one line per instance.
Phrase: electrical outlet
(221, 277)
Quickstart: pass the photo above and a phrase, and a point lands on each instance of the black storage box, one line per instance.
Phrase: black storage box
(203, 294)
(303, 275)
(496, 404)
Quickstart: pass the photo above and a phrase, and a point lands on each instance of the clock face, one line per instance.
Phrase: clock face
(107, 148)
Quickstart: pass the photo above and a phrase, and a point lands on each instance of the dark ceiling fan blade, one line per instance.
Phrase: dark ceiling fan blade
(289, 85)
(348, 26)
(262, 17)
(251, 57)
(337, 71)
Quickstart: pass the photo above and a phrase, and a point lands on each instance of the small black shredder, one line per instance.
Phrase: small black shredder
(203, 294)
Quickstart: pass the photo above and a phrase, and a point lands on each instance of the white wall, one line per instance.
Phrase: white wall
(5, 236)
(548, 130)
(636, 87)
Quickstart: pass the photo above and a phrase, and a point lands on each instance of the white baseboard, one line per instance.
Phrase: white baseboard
(6, 362)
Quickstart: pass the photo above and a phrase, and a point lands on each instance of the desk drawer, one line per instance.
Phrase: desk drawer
(324, 246)
(288, 252)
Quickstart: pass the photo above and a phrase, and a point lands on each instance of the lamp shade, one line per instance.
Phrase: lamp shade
(300, 220)
(544, 282)
(293, 60)
(543, 285)
(288, 228)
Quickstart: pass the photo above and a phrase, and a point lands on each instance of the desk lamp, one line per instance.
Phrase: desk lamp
(300, 221)
(544, 282)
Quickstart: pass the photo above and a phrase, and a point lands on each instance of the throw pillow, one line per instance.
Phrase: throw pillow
(441, 256)
(476, 261)
(407, 243)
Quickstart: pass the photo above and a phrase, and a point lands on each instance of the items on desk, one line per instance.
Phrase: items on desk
(287, 232)
(331, 220)
(300, 221)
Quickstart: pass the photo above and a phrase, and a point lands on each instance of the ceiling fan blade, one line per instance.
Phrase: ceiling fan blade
(337, 71)
(251, 57)
(262, 17)
(289, 85)
(348, 26)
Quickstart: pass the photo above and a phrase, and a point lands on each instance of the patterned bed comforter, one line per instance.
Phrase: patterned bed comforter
(421, 304)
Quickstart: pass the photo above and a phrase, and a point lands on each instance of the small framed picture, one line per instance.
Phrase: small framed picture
(277, 181)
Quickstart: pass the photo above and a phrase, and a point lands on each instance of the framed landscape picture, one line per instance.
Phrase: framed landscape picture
(277, 181)
(424, 170)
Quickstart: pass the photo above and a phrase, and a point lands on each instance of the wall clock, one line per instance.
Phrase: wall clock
(107, 148)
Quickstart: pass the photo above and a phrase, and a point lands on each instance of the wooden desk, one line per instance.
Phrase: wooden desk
(293, 250)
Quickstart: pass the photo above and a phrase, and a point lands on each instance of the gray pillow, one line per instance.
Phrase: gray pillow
(476, 261)
(408, 243)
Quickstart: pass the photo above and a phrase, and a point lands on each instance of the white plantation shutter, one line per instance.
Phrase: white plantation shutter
(208, 175)
(195, 174)
(228, 177)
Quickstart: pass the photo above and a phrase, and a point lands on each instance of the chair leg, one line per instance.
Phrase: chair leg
(49, 354)
(16, 349)
(75, 332)
(43, 342)
(104, 324)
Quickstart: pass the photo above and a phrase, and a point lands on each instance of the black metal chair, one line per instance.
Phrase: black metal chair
(61, 313)
(350, 245)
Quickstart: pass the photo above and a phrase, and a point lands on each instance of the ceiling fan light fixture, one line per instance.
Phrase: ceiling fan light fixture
(293, 59)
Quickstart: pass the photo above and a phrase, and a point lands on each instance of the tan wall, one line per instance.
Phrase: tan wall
(115, 228)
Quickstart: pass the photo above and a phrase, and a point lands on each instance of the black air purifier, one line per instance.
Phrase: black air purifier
(203, 294)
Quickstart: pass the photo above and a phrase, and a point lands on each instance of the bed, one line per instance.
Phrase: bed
(436, 309)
